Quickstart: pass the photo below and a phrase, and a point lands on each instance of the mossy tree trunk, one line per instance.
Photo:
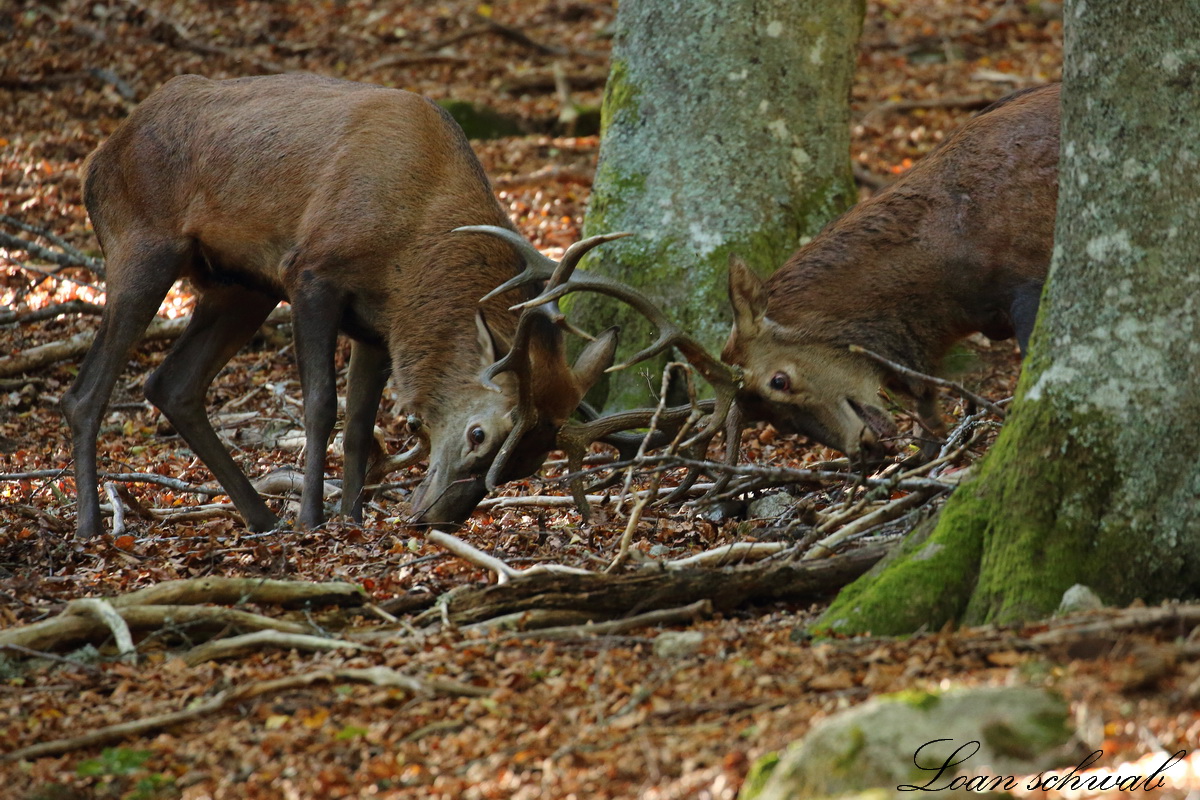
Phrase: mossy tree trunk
(725, 129)
(1096, 477)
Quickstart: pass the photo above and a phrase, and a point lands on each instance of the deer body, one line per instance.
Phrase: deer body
(340, 198)
(961, 243)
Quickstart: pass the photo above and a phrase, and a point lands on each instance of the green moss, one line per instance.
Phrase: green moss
(924, 701)
(923, 586)
(847, 761)
(757, 778)
(621, 98)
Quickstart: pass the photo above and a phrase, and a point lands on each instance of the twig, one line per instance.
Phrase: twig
(666, 616)
(50, 312)
(219, 649)
(889, 512)
(94, 264)
(504, 572)
(742, 552)
(118, 509)
(562, 501)
(930, 379)
(869, 179)
(968, 102)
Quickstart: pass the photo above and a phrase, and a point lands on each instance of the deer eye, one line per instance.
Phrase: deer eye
(780, 382)
(476, 435)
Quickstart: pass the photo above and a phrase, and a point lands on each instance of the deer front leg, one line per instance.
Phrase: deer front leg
(317, 307)
(223, 321)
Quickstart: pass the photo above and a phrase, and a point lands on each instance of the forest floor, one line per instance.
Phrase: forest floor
(584, 715)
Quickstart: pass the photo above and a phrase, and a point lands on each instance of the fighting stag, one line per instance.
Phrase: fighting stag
(339, 198)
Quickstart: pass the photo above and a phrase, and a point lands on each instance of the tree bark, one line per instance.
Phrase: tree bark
(725, 129)
(1096, 477)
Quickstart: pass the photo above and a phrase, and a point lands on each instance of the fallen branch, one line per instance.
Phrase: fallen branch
(51, 312)
(174, 603)
(968, 102)
(607, 596)
(378, 676)
(77, 345)
(667, 616)
(103, 612)
(737, 552)
(504, 573)
(69, 257)
(220, 649)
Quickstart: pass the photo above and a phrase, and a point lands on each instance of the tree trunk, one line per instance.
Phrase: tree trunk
(1096, 477)
(725, 129)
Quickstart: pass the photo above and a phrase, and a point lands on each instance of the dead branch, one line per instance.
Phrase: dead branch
(968, 102)
(735, 553)
(234, 646)
(51, 312)
(562, 501)
(230, 591)
(900, 369)
(667, 616)
(118, 509)
(102, 612)
(70, 629)
(1118, 621)
(174, 603)
(887, 513)
(378, 676)
(69, 257)
(407, 59)
(869, 179)
(77, 345)
(504, 573)
(104, 76)
(608, 596)
(53, 352)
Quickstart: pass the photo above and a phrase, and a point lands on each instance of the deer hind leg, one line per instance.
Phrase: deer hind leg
(368, 375)
(224, 319)
(139, 276)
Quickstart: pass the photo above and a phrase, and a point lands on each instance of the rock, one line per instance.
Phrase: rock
(996, 734)
(771, 506)
(678, 644)
(1079, 598)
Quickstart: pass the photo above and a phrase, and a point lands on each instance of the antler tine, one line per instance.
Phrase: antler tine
(575, 253)
(537, 266)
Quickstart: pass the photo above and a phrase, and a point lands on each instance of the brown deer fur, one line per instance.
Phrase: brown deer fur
(340, 198)
(961, 243)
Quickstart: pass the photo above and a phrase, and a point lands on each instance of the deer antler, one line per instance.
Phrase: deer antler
(517, 360)
(561, 279)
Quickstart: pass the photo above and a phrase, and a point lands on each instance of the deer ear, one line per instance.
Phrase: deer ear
(748, 295)
(595, 358)
(490, 347)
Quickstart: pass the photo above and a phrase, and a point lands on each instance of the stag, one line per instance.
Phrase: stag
(339, 198)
